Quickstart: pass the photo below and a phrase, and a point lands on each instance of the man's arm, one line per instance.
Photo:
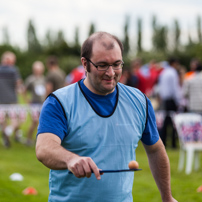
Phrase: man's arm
(50, 152)
(160, 168)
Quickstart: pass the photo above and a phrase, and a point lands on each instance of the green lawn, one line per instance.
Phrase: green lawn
(21, 159)
(183, 186)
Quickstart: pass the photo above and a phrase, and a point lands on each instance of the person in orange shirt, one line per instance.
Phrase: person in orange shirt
(193, 65)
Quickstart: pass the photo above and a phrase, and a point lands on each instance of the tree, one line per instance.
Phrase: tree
(49, 39)
(154, 24)
(190, 41)
(139, 33)
(6, 39)
(92, 29)
(159, 38)
(154, 28)
(60, 47)
(76, 37)
(77, 45)
(32, 40)
(126, 36)
(60, 39)
(176, 35)
(199, 29)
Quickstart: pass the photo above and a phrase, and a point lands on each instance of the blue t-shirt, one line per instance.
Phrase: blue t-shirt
(53, 120)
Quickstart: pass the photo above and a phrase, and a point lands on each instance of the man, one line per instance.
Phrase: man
(10, 78)
(192, 91)
(194, 63)
(55, 77)
(96, 124)
(10, 82)
(75, 75)
(169, 93)
(35, 84)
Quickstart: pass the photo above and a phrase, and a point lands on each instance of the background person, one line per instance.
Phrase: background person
(35, 84)
(133, 78)
(194, 63)
(183, 100)
(10, 82)
(75, 75)
(169, 94)
(96, 124)
(192, 91)
(55, 77)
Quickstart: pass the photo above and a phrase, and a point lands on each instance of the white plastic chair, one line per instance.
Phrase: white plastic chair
(189, 129)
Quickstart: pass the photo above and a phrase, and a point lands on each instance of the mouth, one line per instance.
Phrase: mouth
(108, 79)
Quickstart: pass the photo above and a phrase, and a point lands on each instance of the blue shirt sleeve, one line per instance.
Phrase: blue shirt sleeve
(52, 118)
(150, 135)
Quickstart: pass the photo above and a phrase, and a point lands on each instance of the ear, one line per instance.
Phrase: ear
(84, 63)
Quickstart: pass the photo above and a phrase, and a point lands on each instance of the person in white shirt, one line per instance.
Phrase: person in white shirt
(169, 93)
(192, 91)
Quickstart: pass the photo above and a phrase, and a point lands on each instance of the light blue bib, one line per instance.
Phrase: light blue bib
(109, 141)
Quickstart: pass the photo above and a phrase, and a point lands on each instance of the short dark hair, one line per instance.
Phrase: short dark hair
(199, 67)
(52, 60)
(86, 49)
(172, 60)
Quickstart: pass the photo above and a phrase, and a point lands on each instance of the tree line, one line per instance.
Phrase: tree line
(166, 42)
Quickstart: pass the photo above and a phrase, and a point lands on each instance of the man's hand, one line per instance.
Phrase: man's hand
(50, 152)
(83, 167)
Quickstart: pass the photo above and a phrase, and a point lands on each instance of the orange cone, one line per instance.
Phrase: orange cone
(30, 191)
(199, 189)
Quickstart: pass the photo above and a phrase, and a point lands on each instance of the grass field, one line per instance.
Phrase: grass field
(21, 159)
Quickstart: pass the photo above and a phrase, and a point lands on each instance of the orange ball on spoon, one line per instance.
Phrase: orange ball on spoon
(133, 165)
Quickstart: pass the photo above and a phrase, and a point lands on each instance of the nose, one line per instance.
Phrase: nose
(110, 71)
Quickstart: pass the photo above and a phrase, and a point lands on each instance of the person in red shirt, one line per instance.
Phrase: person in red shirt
(75, 75)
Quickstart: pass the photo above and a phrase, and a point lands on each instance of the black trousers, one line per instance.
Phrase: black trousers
(169, 106)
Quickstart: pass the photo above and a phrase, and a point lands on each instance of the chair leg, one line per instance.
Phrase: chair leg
(181, 160)
(190, 155)
(196, 161)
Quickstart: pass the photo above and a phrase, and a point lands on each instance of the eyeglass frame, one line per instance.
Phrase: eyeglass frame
(96, 66)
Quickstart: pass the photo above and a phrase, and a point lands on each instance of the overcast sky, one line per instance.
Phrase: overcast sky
(107, 15)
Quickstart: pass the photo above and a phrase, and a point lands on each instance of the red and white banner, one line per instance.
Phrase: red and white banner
(19, 111)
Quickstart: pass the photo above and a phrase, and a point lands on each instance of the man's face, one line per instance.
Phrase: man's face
(103, 82)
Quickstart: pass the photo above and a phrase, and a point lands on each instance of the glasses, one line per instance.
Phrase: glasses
(105, 67)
